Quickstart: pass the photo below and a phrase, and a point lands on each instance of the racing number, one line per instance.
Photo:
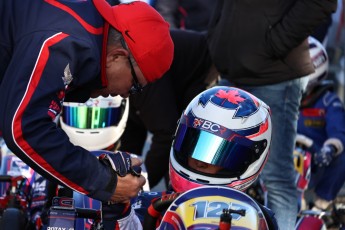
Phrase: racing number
(205, 209)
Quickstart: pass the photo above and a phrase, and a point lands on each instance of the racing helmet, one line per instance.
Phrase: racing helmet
(96, 124)
(320, 61)
(225, 127)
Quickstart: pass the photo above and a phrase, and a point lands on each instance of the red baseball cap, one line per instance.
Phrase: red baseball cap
(145, 32)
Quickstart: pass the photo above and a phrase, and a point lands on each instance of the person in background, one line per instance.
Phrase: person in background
(158, 107)
(55, 51)
(186, 15)
(222, 139)
(262, 47)
(321, 128)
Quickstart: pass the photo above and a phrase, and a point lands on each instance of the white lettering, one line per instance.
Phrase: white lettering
(55, 228)
(210, 126)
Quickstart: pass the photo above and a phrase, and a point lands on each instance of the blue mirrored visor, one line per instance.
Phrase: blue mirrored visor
(91, 117)
(234, 155)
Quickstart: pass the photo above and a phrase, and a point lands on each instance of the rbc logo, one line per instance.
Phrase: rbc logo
(207, 125)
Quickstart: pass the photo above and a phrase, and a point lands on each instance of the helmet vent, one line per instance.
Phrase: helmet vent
(203, 181)
(185, 174)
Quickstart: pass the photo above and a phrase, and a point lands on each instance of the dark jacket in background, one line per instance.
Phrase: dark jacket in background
(264, 42)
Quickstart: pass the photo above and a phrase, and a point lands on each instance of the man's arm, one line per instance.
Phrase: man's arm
(298, 23)
(40, 69)
(335, 130)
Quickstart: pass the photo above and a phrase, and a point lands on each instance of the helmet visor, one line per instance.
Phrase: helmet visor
(81, 116)
(233, 154)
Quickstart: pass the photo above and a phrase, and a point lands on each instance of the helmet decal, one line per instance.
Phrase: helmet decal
(319, 59)
(211, 127)
(231, 99)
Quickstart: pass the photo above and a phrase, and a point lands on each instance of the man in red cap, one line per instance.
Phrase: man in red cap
(55, 50)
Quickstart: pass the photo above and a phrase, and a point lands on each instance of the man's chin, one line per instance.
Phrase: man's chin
(99, 92)
(124, 95)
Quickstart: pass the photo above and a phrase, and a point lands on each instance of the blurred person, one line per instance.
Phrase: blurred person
(222, 139)
(262, 47)
(55, 51)
(321, 128)
(188, 15)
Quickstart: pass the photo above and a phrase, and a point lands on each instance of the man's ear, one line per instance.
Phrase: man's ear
(114, 54)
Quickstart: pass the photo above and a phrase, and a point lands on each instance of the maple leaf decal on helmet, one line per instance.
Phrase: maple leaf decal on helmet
(232, 96)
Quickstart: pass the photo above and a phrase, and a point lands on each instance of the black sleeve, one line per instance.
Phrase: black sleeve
(297, 25)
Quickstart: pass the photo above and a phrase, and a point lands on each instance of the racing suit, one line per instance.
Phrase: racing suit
(322, 119)
(51, 50)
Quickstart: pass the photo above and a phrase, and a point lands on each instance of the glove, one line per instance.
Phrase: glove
(324, 156)
(120, 162)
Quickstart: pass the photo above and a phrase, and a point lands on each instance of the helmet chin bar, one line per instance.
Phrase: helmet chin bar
(183, 179)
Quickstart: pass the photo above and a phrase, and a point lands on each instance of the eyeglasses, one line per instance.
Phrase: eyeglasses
(136, 87)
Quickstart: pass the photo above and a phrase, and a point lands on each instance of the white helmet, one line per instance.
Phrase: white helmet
(320, 61)
(225, 127)
(97, 123)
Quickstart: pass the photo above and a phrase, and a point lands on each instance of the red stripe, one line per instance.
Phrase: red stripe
(17, 121)
(263, 128)
(128, 205)
(86, 25)
(153, 212)
(90, 29)
(313, 112)
(183, 18)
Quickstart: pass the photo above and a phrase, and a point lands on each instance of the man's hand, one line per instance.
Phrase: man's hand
(128, 186)
(324, 156)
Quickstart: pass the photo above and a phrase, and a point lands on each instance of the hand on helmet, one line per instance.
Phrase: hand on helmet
(121, 163)
(324, 156)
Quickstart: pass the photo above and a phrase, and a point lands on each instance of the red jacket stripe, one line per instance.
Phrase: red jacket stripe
(87, 26)
(17, 121)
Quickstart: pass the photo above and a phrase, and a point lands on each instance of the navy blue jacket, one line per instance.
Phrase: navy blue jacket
(49, 49)
(323, 120)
